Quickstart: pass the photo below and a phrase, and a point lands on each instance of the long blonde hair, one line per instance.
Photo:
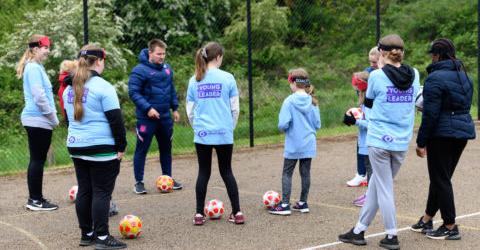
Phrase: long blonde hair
(82, 74)
(68, 66)
(27, 55)
(301, 73)
(205, 55)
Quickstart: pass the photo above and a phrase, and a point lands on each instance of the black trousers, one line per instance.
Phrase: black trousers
(96, 181)
(442, 158)
(224, 155)
(39, 140)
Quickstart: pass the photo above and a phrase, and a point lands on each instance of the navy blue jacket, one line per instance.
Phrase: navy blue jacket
(151, 86)
(447, 97)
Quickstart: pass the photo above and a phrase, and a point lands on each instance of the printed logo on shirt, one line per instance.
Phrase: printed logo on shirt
(167, 71)
(203, 133)
(73, 139)
(71, 96)
(142, 128)
(387, 138)
(209, 90)
(395, 95)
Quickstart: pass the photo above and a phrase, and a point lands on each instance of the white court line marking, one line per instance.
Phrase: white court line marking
(28, 234)
(383, 233)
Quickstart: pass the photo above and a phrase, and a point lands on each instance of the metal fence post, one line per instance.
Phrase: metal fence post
(377, 7)
(85, 22)
(250, 84)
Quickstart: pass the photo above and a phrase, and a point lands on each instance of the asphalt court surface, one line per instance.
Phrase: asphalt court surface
(167, 218)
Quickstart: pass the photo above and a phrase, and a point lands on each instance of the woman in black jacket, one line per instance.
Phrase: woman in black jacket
(446, 126)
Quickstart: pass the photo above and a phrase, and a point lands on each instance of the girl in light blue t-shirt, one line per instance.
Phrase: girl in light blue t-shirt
(212, 109)
(391, 96)
(39, 117)
(96, 142)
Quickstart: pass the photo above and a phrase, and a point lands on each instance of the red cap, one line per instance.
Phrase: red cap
(43, 42)
(359, 84)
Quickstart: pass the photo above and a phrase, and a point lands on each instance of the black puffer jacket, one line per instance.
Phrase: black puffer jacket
(447, 97)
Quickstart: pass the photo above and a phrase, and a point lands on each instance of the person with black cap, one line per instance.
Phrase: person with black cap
(39, 117)
(446, 126)
(391, 96)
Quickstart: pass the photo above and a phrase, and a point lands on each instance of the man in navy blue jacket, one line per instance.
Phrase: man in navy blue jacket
(152, 90)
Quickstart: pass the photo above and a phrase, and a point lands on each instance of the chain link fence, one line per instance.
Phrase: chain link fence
(330, 39)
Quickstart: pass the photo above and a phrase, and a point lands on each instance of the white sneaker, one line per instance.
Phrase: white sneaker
(356, 181)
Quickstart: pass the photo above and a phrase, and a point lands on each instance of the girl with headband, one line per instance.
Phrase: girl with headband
(96, 142)
(299, 119)
(39, 117)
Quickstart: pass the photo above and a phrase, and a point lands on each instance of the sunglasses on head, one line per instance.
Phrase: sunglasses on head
(292, 79)
(97, 53)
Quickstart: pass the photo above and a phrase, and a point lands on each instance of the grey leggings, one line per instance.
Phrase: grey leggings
(288, 167)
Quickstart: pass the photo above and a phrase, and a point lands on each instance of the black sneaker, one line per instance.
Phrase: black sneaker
(87, 240)
(443, 233)
(422, 227)
(139, 188)
(352, 238)
(177, 185)
(40, 205)
(390, 243)
(109, 243)
(113, 209)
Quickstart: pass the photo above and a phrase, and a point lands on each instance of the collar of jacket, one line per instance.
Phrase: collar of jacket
(450, 65)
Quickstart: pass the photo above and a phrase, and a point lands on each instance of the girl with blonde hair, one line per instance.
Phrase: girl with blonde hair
(39, 116)
(96, 142)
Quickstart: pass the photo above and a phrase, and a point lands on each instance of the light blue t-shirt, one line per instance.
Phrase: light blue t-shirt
(99, 96)
(35, 79)
(392, 116)
(212, 115)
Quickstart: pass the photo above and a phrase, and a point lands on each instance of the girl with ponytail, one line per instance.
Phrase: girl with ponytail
(212, 109)
(39, 116)
(96, 142)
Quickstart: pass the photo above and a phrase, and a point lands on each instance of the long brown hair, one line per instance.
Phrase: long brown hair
(27, 55)
(205, 55)
(82, 74)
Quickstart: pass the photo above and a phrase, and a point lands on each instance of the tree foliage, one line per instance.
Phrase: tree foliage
(183, 24)
(62, 21)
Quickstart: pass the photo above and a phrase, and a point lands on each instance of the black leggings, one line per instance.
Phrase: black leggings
(39, 140)
(96, 181)
(442, 158)
(224, 154)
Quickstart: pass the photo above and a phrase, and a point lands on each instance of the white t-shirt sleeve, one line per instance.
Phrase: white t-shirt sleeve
(190, 102)
(235, 108)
